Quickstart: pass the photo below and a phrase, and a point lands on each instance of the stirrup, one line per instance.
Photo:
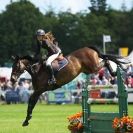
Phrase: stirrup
(52, 81)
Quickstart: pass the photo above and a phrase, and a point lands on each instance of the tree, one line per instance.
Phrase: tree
(71, 32)
(119, 24)
(18, 25)
(129, 33)
(98, 6)
(21, 19)
(97, 26)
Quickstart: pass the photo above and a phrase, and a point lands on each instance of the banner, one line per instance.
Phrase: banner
(106, 38)
(123, 51)
(59, 97)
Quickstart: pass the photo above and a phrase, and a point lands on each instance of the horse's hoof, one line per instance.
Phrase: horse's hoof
(25, 123)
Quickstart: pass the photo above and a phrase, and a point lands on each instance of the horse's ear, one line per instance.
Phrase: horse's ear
(14, 57)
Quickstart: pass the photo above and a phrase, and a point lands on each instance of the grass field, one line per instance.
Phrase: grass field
(46, 118)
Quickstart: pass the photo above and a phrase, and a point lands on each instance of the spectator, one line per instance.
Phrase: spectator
(23, 93)
(130, 70)
(11, 95)
(129, 82)
(26, 84)
(105, 81)
(113, 80)
(101, 73)
(99, 82)
(93, 80)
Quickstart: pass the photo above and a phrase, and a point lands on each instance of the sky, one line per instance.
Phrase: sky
(73, 5)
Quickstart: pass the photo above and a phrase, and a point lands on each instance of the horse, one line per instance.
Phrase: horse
(87, 60)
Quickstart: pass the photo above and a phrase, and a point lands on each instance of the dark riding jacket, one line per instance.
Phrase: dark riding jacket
(50, 48)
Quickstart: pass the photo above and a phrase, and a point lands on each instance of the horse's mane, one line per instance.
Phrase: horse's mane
(28, 57)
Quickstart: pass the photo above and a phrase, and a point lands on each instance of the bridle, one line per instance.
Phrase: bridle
(20, 70)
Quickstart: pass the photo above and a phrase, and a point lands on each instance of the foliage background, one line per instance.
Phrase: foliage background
(21, 19)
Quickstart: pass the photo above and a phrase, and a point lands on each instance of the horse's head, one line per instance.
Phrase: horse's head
(18, 67)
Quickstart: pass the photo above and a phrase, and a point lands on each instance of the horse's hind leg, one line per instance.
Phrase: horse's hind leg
(31, 104)
(107, 64)
(99, 65)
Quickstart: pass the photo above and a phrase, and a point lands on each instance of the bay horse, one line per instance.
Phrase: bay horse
(86, 60)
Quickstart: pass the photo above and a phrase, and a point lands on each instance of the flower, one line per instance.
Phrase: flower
(125, 123)
(75, 121)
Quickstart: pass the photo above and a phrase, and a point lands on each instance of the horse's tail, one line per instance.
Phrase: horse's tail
(119, 60)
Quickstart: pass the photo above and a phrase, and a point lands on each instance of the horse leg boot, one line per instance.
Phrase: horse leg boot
(31, 104)
(107, 64)
(52, 79)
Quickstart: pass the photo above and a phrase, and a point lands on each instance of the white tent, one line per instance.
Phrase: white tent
(5, 72)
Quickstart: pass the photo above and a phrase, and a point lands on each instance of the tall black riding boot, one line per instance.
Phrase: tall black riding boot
(52, 79)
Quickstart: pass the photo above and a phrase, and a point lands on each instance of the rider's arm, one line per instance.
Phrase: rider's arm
(55, 48)
(52, 48)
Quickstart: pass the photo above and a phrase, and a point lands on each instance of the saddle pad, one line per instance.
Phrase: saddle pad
(62, 64)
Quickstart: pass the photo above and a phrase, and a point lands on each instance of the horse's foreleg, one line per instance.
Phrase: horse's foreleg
(31, 104)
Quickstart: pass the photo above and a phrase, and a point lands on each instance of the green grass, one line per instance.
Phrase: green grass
(46, 118)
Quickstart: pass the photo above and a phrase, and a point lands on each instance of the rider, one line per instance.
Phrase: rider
(53, 51)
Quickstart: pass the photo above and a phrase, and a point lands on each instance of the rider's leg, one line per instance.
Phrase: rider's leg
(50, 69)
(52, 77)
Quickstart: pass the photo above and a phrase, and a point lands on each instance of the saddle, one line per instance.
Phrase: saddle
(59, 63)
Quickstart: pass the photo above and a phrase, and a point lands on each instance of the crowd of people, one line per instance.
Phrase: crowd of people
(18, 93)
(104, 77)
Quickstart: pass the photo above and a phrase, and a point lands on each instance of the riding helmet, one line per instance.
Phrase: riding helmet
(40, 32)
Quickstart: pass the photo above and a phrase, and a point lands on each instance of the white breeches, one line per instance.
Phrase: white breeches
(52, 58)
